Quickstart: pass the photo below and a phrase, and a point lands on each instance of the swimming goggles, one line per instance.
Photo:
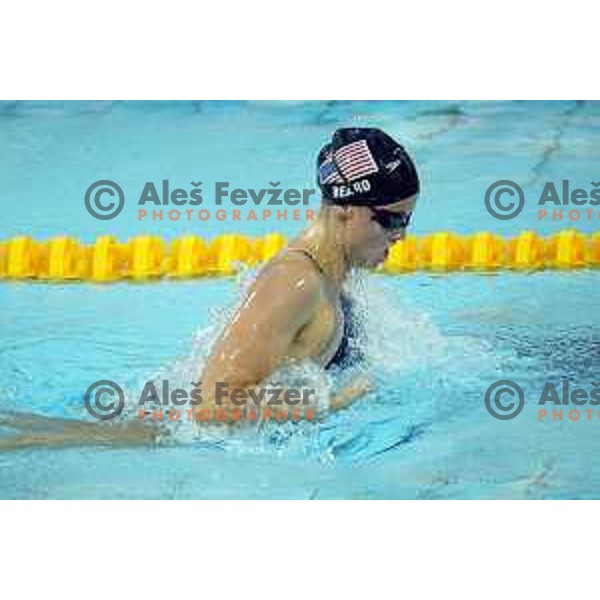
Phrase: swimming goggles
(392, 220)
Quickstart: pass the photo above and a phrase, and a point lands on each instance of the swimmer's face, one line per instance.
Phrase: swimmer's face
(370, 233)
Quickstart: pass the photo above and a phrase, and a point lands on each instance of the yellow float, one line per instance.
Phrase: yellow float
(144, 258)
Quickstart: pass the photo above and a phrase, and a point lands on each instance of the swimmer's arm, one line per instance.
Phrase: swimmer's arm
(263, 330)
(351, 392)
(34, 431)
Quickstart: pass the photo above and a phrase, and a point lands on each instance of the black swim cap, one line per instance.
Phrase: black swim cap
(365, 166)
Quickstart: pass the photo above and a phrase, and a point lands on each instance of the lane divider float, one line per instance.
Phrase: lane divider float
(147, 257)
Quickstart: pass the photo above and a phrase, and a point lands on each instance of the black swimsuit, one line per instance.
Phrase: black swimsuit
(348, 352)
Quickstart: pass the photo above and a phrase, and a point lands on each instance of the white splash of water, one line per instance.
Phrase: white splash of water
(400, 338)
(399, 341)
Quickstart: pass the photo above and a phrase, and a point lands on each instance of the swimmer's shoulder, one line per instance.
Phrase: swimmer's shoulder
(291, 274)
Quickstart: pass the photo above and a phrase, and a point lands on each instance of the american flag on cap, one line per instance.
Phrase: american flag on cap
(355, 160)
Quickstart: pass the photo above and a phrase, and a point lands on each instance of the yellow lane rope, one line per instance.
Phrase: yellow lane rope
(147, 257)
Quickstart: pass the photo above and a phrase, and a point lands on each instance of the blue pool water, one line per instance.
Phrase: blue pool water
(435, 342)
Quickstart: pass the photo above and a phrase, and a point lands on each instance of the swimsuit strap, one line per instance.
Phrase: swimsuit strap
(310, 255)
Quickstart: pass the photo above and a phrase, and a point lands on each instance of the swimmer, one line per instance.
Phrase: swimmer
(295, 310)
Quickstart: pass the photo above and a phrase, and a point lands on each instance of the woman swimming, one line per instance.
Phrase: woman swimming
(295, 309)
